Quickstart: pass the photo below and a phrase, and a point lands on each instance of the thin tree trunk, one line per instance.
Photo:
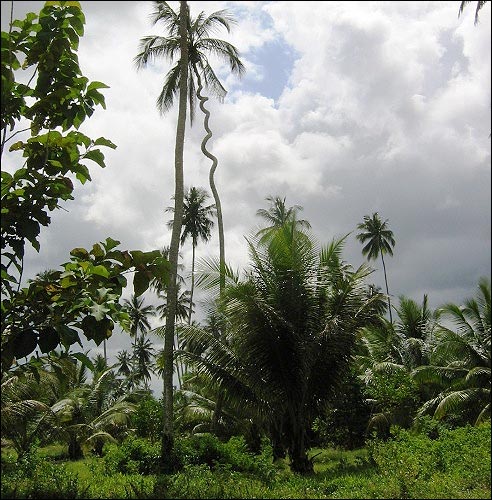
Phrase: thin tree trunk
(218, 206)
(192, 282)
(220, 225)
(167, 442)
(387, 291)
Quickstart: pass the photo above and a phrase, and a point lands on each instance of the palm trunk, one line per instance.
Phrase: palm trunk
(218, 206)
(220, 224)
(192, 282)
(387, 291)
(167, 442)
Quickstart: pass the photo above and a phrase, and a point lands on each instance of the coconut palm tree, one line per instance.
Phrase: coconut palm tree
(143, 355)
(200, 73)
(197, 224)
(460, 360)
(278, 214)
(139, 315)
(379, 240)
(189, 40)
(292, 324)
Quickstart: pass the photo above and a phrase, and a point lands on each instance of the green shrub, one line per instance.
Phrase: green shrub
(148, 419)
(233, 455)
(133, 456)
(456, 464)
(36, 478)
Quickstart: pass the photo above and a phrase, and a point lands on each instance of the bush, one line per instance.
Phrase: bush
(37, 478)
(455, 464)
(207, 449)
(148, 419)
(133, 456)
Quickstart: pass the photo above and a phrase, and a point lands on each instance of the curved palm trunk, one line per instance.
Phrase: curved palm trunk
(387, 291)
(220, 224)
(167, 442)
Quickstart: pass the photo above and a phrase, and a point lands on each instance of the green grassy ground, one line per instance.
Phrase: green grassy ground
(456, 466)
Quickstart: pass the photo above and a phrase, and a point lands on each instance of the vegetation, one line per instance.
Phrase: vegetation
(295, 386)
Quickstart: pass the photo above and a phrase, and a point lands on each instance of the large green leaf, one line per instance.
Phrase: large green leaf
(49, 339)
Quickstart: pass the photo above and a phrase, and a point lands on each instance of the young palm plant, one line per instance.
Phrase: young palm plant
(290, 336)
(387, 354)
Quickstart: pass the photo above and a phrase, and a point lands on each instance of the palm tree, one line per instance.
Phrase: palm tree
(139, 322)
(460, 360)
(142, 360)
(292, 324)
(387, 354)
(197, 224)
(379, 240)
(278, 214)
(89, 415)
(139, 315)
(189, 40)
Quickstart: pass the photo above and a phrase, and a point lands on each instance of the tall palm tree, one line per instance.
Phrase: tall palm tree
(460, 360)
(292, 324)
(189, 41)
(197, 224)
(278, 214)
(379, 240)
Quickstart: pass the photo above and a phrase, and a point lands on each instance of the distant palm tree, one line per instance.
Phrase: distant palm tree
(464, 3)
(125, 368)
(379, 240)
(139, 315)
(183, 305)
(197, 224)
(139, 320)
(143, 354)
(277, 215)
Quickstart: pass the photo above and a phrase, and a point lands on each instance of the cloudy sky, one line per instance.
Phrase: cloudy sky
(346, 108)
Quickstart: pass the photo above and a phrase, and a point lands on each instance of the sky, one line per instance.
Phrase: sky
(346, 108)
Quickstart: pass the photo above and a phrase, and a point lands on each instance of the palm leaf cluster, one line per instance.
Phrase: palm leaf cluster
(460, 360)
(290, 334)
(58, 402)
(200, 43)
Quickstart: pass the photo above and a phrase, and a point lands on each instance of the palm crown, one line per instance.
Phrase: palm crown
(200, 43)
(377, 235)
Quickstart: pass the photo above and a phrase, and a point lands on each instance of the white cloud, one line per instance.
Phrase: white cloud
(387, 108)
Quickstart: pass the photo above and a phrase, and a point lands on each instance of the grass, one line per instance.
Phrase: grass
(409, 466)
